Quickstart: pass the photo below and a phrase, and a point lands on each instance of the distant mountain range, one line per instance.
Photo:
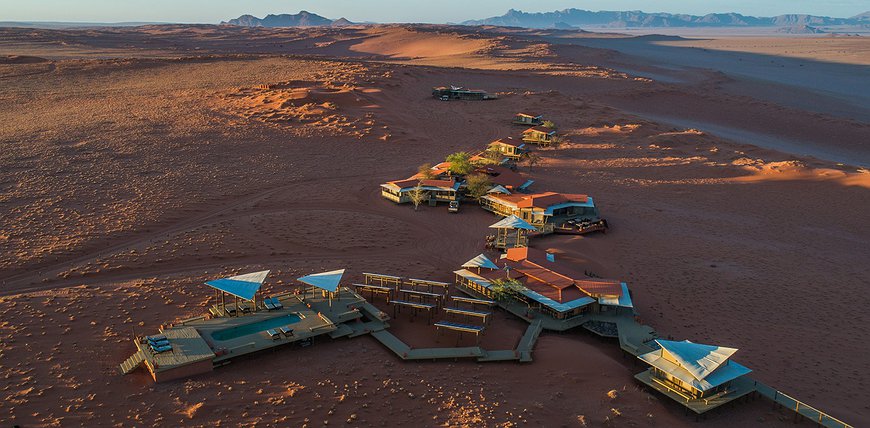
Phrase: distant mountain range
(301, 19)
(569, 18)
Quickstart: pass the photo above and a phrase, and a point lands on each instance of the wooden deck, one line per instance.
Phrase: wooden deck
(739, 388)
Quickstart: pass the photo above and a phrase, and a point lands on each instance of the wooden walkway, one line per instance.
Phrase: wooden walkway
(528, 340)
(523, 353)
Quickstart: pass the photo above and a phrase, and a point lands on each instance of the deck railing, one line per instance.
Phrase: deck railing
(800, 407)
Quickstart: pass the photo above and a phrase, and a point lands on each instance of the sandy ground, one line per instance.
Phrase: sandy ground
(140, 162)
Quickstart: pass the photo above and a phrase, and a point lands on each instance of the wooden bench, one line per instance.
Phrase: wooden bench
(414, 305)
(473, 301)
(379, 289)
(466, 312)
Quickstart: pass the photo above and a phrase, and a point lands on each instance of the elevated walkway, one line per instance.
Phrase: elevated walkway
(500, 355)
(524, 349)
(523, 353)
(800, 408)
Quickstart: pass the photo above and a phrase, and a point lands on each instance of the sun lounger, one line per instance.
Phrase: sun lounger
(159, 349)
(158, 342)
(244, 308)
(268, 304)
(277, 303)
(157, 337)
(273, 334)
(231, 310)
(287, 331)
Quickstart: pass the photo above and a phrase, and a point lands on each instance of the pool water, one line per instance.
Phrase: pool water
(255, 327)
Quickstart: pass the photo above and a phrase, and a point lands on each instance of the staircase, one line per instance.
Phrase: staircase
(133, 362)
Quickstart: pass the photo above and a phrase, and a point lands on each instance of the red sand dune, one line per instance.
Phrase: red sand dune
(140, 162)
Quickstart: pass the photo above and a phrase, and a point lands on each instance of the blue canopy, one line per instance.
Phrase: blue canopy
(326, 280)
(242, 286)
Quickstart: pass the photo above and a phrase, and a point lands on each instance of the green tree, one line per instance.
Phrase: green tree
(460, 163)
(549, 124)
(477, 185)
(418, 195)
(557, 140)
(492, 156)
(503, 289)
(425, 171)
(532, 159)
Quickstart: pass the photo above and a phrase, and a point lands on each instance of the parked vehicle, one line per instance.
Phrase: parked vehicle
(453, 207)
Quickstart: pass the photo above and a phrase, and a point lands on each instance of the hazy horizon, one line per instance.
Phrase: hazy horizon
(210, 12)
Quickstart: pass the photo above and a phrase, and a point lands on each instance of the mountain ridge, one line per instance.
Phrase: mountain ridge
(624, 19)
(301, 19)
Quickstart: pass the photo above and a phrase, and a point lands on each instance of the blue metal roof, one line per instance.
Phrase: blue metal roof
(588, 203)
(556, 306)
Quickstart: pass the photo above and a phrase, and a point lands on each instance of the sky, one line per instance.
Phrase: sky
(442, 11)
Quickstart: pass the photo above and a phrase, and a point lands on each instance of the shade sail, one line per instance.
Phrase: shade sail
(513, 222)
(499, 189)
(326, 280)
(480, 261)
(242, 286)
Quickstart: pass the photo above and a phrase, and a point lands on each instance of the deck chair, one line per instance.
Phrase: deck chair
(287, 331)
(158, 340)
(164, 342)
(277, 303)
(161, 349)
(268, 304)
(244, 308)
(273, 334)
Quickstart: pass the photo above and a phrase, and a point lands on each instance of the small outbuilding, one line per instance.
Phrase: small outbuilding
(459, 93)
(510, 148)
(437, 190)
(692, 371)
(539, 135)
(528, 119)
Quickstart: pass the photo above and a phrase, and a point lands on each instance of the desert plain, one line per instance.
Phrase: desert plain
(137, 163)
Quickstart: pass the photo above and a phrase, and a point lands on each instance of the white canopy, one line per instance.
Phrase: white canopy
(498, 188)
(326, 280)
(513, 222)
(480, 261)
(700, 360)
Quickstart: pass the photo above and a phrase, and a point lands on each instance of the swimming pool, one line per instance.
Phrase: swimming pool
(255, 327)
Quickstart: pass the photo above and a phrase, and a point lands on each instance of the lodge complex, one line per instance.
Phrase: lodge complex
(532, 284)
